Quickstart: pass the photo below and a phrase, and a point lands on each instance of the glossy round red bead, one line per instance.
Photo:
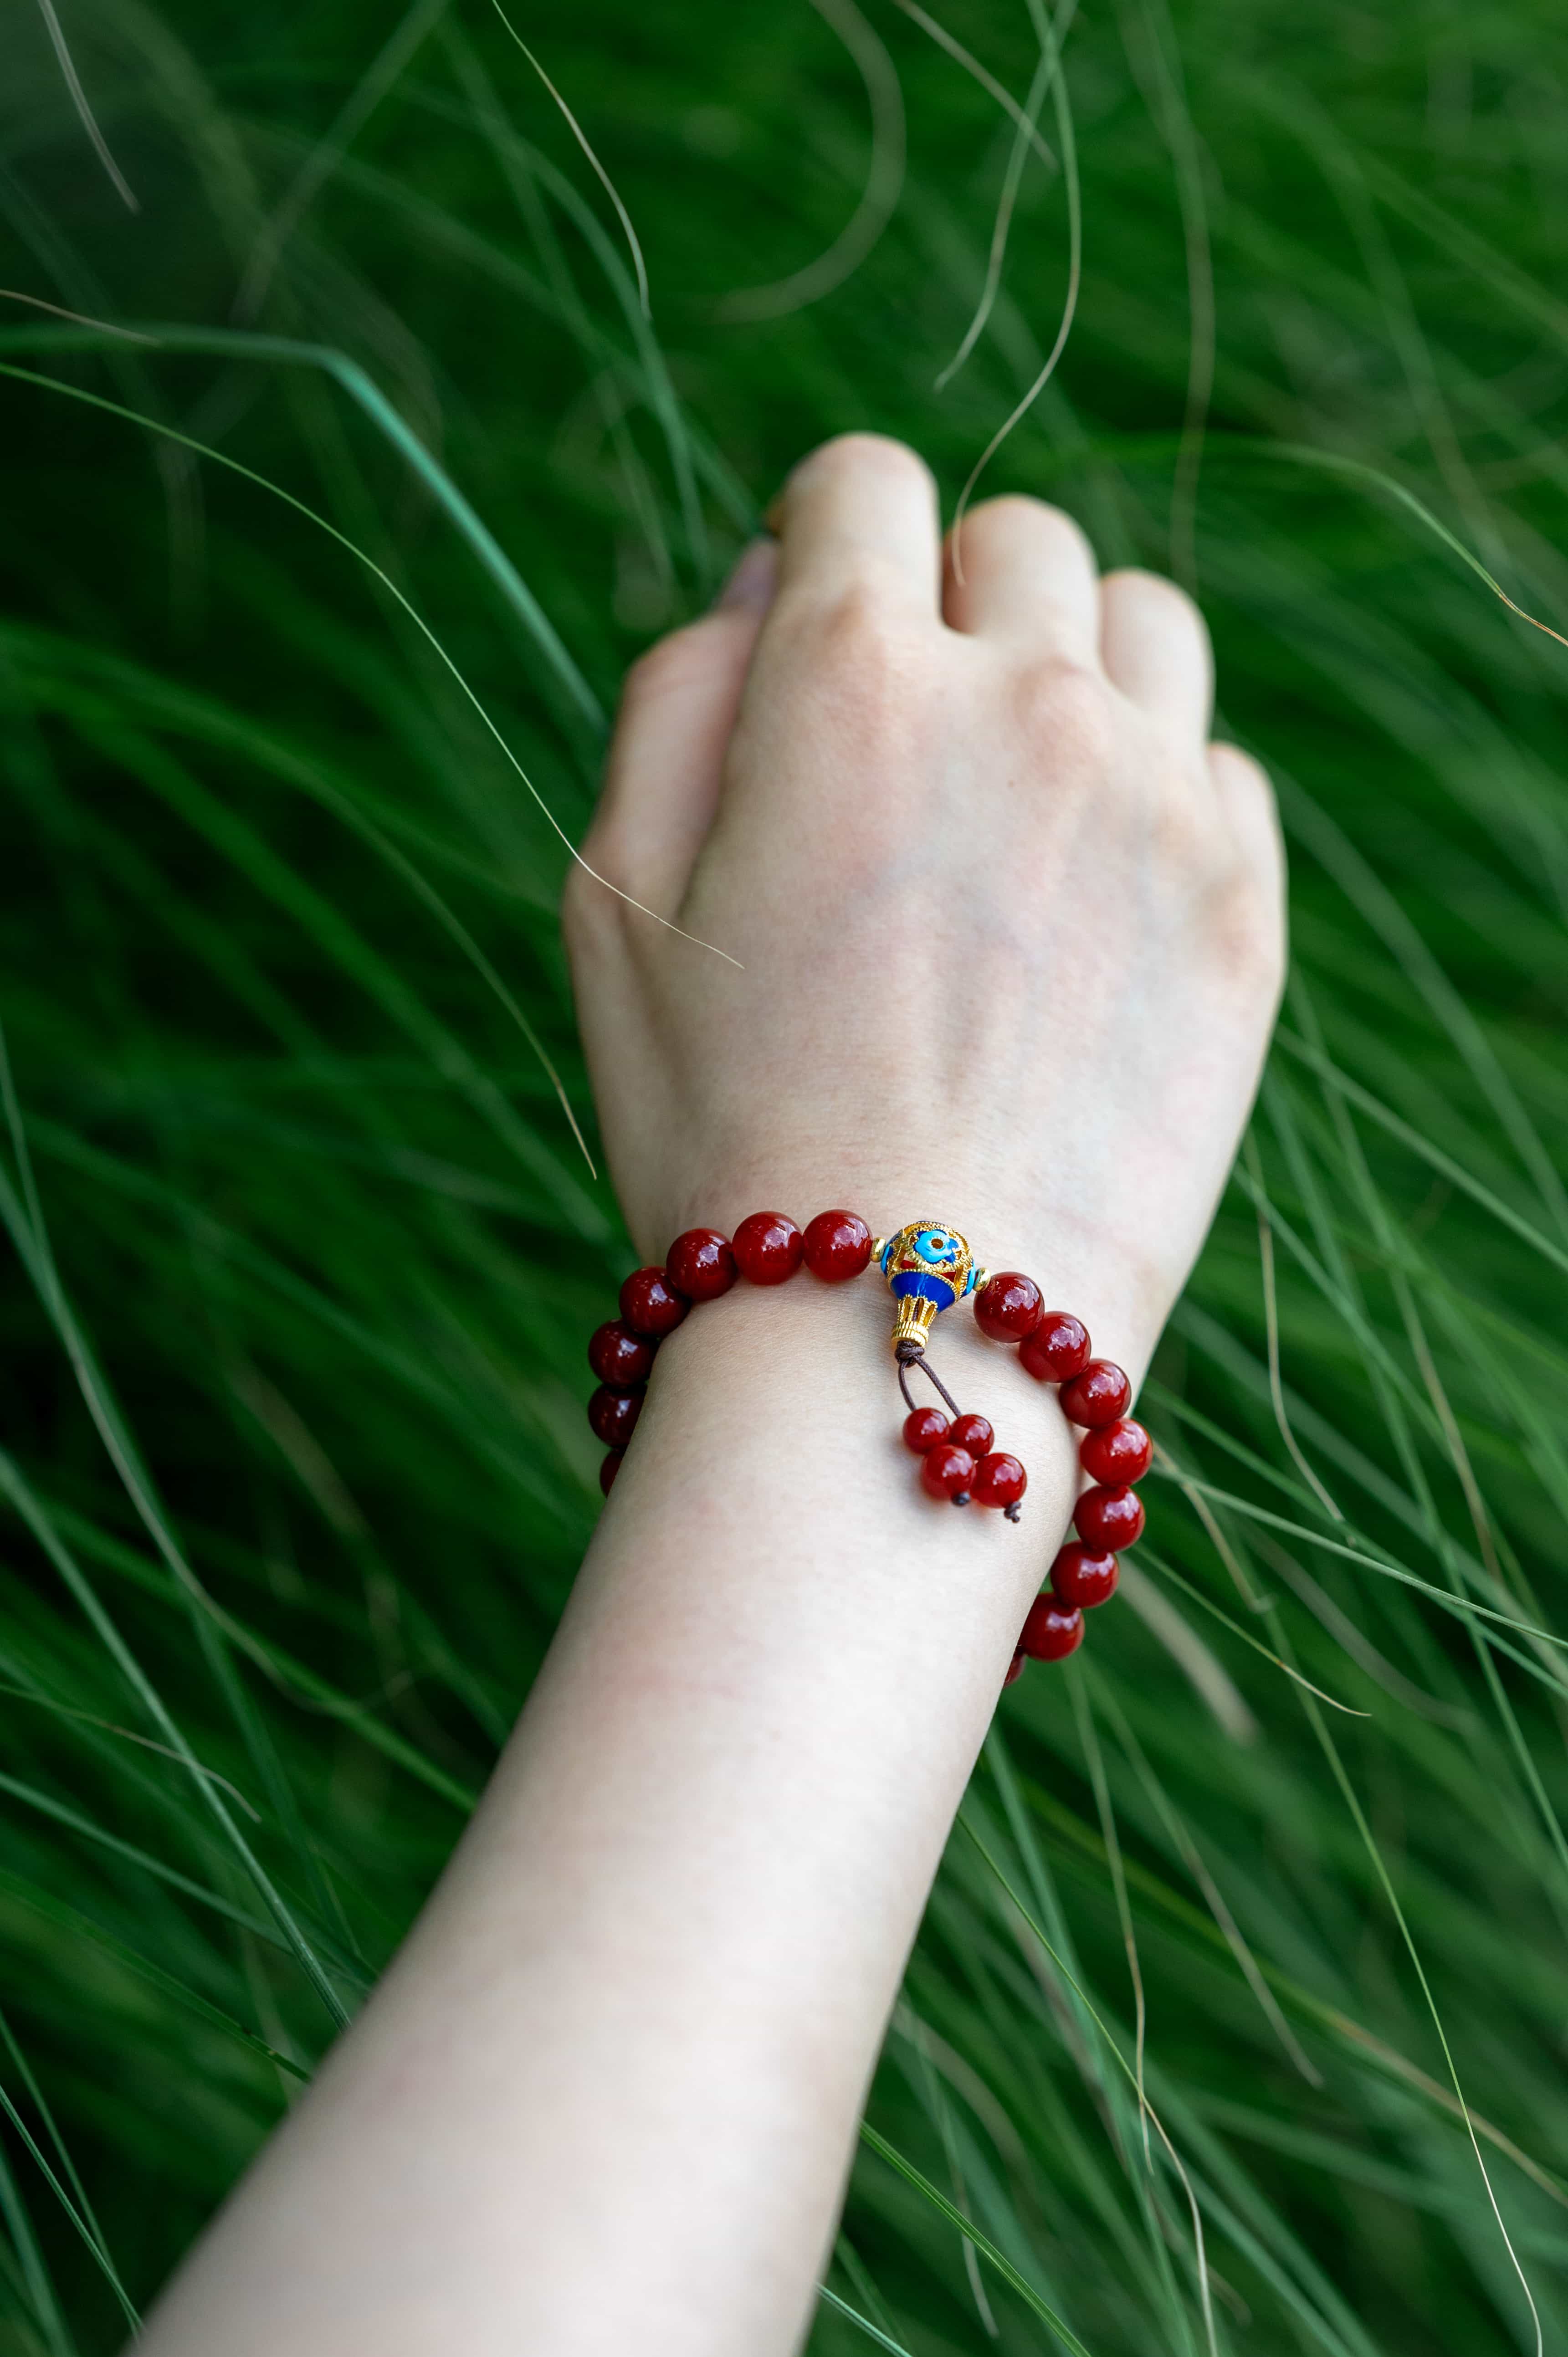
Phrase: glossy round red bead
(1108, 1519)
(1097, 1397)
(999, 1481)
(1057, 1349)
(768, 1248)
(971, 1432)
(614, 1415)
(1052, 1629)
(1121, 1452)
(1008, 1306)
(619, 1357)
(700, 1265)
(947, 1472)
(1081, 1576)
(838, 1245)
(1016, 1667)
(609, 1467)
(923, 1427)
(648, 1304)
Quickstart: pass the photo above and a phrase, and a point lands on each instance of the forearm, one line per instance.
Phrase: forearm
(1008, 916)
(607, 2093)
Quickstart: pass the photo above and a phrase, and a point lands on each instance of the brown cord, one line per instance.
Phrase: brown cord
(909, 1356)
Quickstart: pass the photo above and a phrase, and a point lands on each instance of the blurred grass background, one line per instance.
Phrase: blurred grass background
(302, 1252)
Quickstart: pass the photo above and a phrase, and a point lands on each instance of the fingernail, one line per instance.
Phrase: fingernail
(749, 589)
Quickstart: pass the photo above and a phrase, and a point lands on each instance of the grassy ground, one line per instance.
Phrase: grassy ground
(302, 1251)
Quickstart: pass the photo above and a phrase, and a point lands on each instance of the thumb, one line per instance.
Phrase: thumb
(666, 760)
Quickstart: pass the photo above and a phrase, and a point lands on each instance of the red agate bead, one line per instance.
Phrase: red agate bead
(614, 1415)
(837, 1245)
(619, 1357)
(1008, 1306)
(648, 1304)
(1057, 1349)
(768, 1248)
(609, 1468)
(1108, 1518)
(700, 1265)
(971, 1432)
(1121, 1452)
(999, 1481)
(1097, 1397)
(923, 1427)
(1016, 1667)
(1081, 1576)
(1052, 1629)
(947, 1472)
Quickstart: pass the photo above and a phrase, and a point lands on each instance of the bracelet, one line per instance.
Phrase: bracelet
(927, 1266)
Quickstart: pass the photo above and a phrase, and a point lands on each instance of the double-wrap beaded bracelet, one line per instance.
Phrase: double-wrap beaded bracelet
(928, 1267)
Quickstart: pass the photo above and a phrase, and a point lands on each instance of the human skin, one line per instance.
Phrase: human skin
(1010, 938)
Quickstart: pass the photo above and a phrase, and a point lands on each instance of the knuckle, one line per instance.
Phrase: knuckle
(1240, 769)
(853, 638)
(857, 618)
(1071, 706)
(1245, 925)
(1185, 846)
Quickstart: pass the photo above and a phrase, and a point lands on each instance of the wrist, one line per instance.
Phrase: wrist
(776, 1415)
(928, 1268)
(1050, 1221)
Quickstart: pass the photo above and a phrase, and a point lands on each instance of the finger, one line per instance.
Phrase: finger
(862, 510)
(1029, 575)
(1155, 647)
(1248, 800)
(677, 713)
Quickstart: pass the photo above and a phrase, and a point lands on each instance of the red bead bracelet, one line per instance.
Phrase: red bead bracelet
(928, 1267)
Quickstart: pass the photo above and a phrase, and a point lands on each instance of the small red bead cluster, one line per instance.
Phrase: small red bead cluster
(1115, 1452)
(766, 1249)
(957, 1463)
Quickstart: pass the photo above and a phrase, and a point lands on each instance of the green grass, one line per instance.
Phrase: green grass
(303, 1250)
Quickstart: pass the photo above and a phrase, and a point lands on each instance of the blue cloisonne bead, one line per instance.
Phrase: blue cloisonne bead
(925, 1284)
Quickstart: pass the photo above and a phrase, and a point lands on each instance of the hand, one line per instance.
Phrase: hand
(1011, 930)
